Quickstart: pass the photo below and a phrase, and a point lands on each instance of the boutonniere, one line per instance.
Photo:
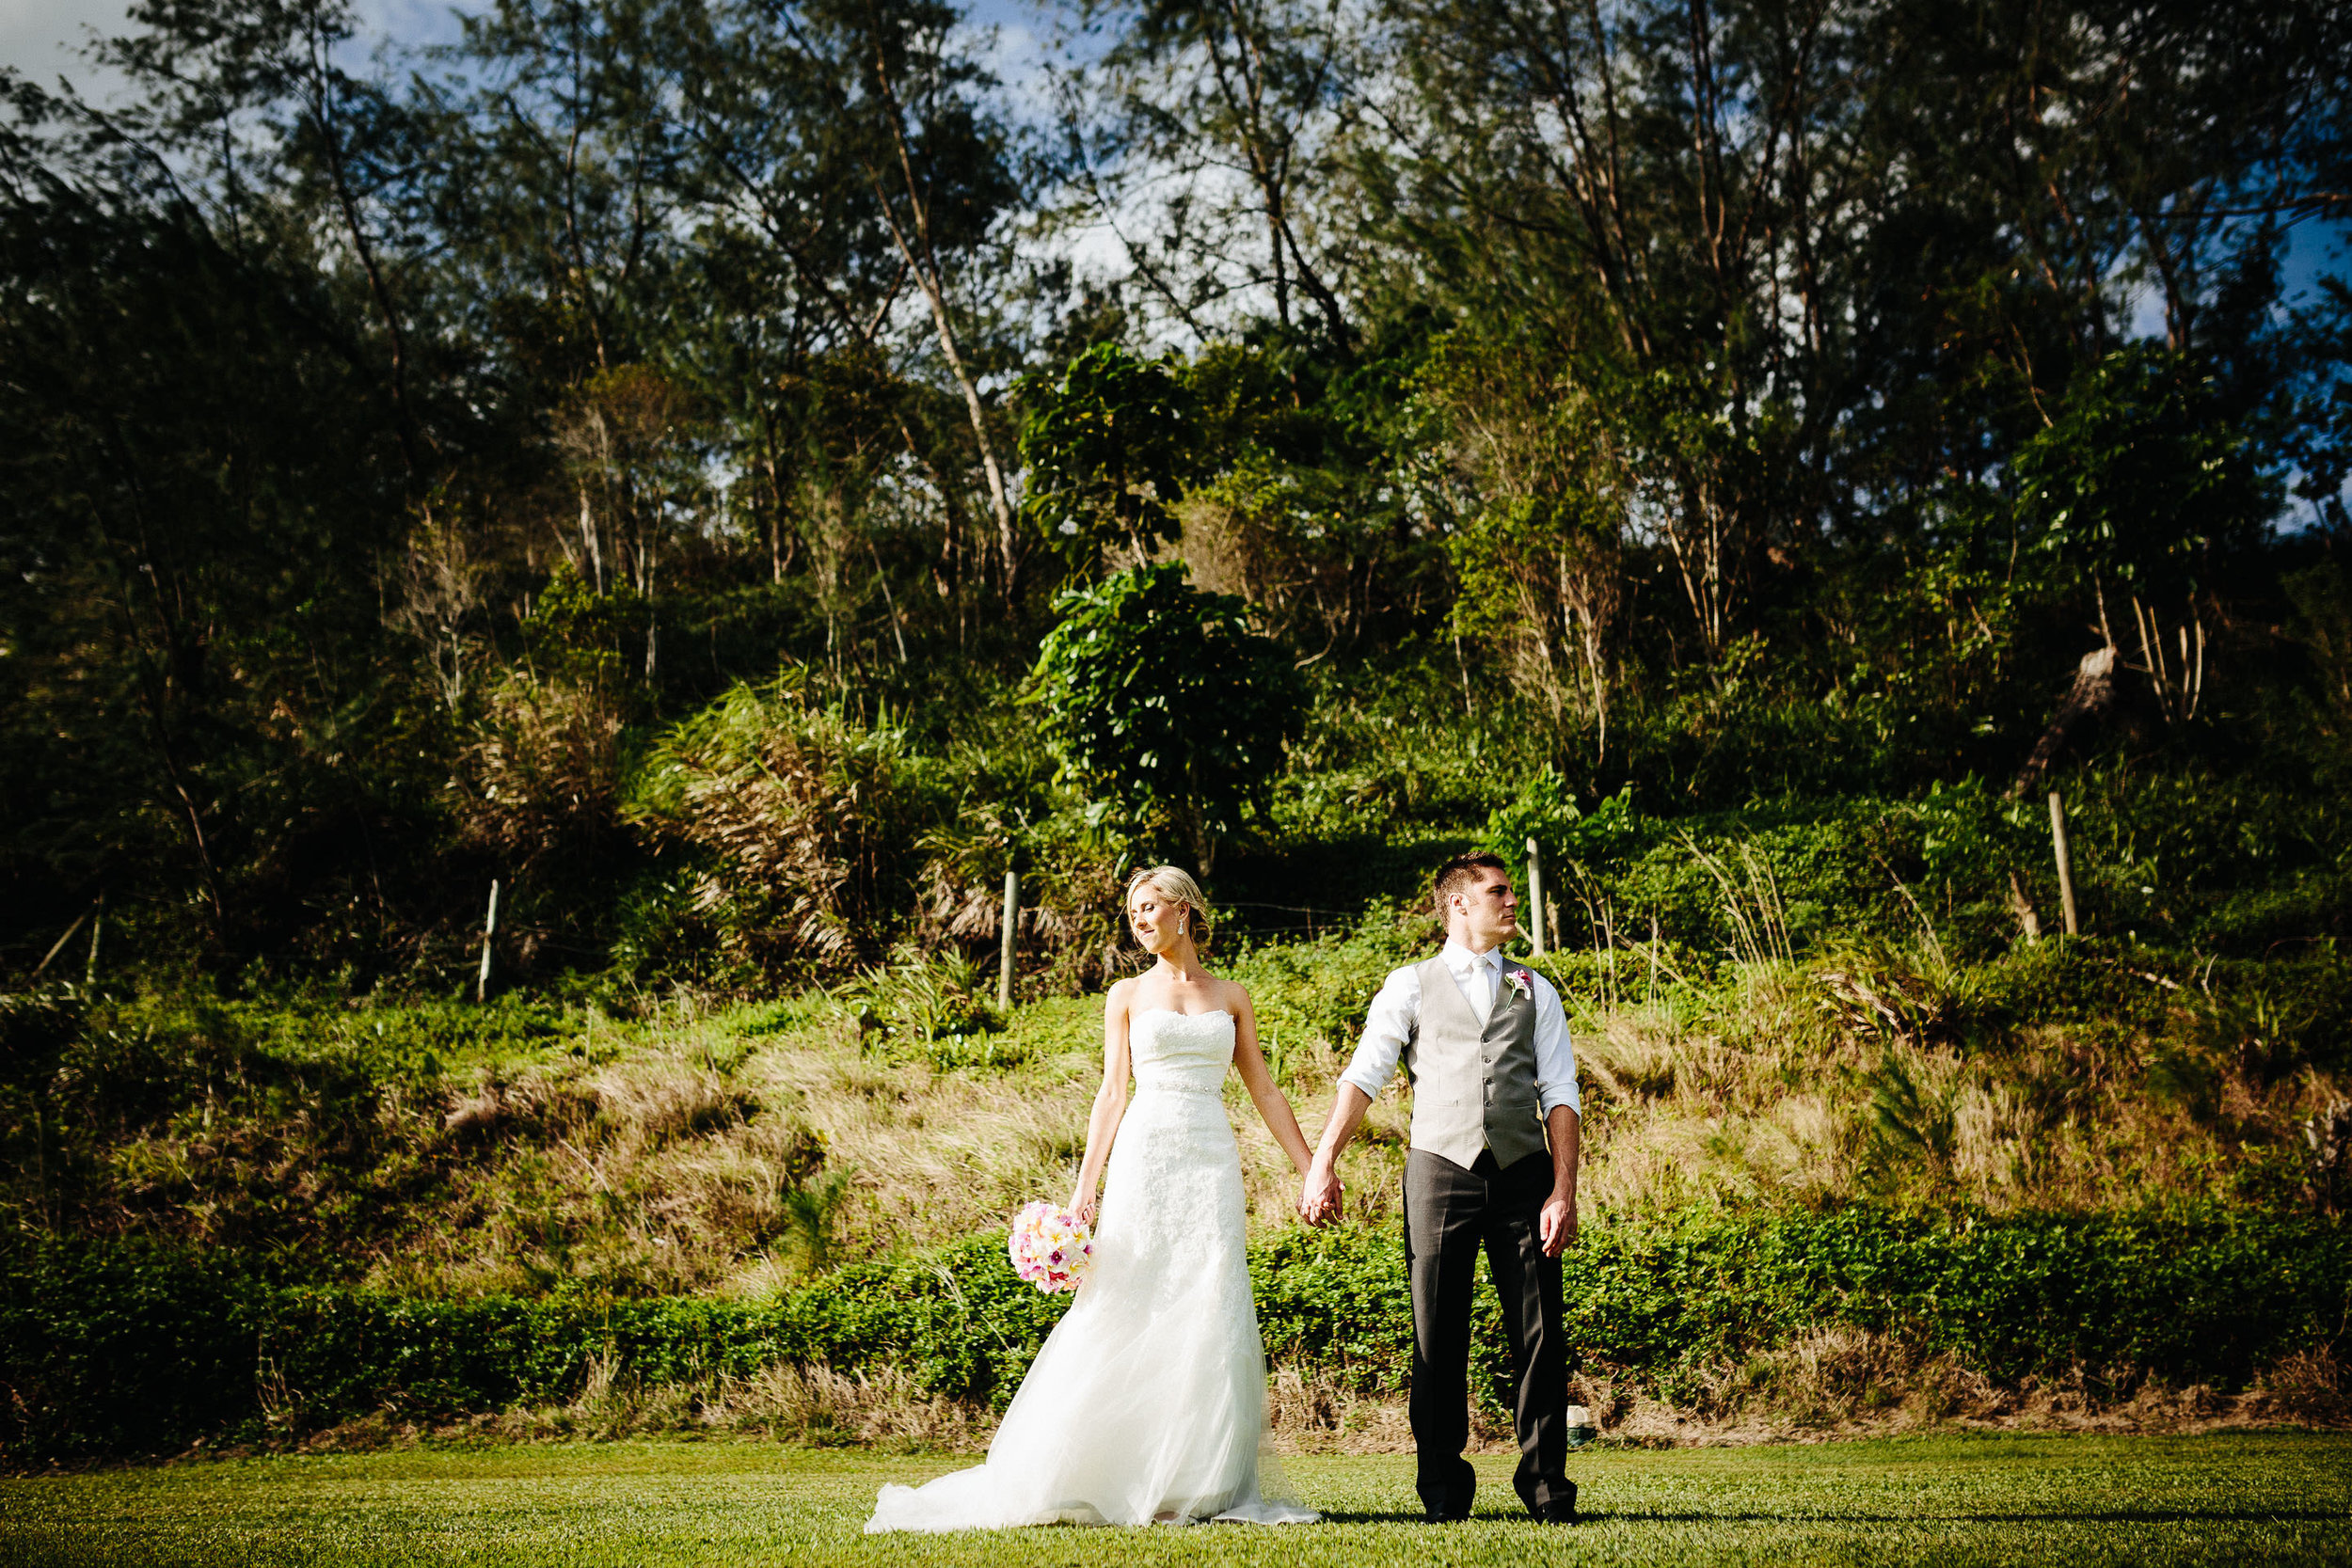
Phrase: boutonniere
(1521, 981)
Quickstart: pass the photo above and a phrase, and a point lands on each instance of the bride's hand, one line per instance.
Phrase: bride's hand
(1085, 1208)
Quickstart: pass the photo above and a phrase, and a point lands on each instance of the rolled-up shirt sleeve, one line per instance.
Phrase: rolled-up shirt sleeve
(1555, 1057)
(1389, 1026)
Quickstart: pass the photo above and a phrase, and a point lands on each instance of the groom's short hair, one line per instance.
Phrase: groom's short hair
(1456, 875)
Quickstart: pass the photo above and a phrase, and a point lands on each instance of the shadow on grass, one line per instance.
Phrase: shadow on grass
(2082, 1516)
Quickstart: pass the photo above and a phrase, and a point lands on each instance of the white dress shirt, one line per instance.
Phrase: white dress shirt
(1395, 1018)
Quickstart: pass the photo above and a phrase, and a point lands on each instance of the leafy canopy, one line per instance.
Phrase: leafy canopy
(2142, 476)
(1163, 704)
(1107, 450)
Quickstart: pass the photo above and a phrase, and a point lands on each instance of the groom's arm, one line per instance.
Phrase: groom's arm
(1556, 1225)
(1563, 1117)
(1320, 1202)
(1388, 1025)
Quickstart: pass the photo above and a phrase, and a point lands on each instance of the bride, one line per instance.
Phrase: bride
(1148, 1403)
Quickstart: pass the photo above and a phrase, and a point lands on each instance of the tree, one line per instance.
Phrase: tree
(1541, 560)
(203, 474)
(856, 136)
(1830, 258)
(338, 147)
(2143, 482)
(2142, 478)
(1223, 124)
(558, 182)
(1106, 450)
(1162, 705)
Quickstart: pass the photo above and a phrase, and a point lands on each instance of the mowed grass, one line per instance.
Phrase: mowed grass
(2071, 1500)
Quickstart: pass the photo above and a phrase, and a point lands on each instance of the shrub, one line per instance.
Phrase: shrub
(541, 779)
(806, 821)
(1312, 995)
(121, 1349)
(1546, 810)
(1162, 703)
(1106, 451)
(931, 1007)
(1069, 917)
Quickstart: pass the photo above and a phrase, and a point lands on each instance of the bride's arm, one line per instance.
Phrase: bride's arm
(1272, 1106)
(1110, 1103)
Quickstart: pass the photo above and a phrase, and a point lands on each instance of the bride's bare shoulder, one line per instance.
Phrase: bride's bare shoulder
(1120, 996)
(1236, 997)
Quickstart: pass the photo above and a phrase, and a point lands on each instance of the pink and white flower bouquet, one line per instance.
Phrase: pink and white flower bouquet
(1050, 1248)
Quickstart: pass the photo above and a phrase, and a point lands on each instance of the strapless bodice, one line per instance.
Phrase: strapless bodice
(1187, 1052)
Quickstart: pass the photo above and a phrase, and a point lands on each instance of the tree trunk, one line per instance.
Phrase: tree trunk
(922, 260)
(2091, 695)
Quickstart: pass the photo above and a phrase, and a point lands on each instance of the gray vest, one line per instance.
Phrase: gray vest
(1473, 1087)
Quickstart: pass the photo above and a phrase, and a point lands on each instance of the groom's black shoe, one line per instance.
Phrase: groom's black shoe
(1448, 1502)
(1560, 1510)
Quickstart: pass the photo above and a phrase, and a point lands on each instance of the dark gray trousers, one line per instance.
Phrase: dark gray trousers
(1449, 1213)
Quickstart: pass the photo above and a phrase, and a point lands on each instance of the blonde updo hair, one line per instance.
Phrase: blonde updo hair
(1176, 885)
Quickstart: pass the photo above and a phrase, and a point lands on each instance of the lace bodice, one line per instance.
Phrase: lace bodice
(1184, 1052)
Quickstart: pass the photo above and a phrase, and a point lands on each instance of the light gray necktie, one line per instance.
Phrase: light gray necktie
(1482, 987)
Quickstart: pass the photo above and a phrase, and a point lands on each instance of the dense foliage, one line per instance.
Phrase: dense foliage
(115, 1350)
(1737, 403)
(1160, 700)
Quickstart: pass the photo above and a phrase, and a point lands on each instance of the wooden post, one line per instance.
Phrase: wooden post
(98, 924)
(1534, 899)
(2028, 919)
(489, 929)
(58, 947)
(2065, 864)
(1004, 951)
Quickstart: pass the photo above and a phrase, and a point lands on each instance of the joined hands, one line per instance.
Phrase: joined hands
(1320, 1199)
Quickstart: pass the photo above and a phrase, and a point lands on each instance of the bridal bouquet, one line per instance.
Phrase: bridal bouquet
(1050, 1248)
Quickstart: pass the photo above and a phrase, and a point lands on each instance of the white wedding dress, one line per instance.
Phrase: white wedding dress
(1147, 1404)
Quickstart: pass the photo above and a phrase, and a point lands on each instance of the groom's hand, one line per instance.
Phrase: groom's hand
(1319, 1200)
(1556, 1223)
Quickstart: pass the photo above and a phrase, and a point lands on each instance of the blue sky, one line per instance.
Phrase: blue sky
(40, 38)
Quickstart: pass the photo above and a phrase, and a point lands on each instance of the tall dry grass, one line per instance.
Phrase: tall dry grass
(744, 1149)
(689, 1155)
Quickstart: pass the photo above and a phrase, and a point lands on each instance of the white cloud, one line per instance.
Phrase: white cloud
(409, 24)
(43, 40)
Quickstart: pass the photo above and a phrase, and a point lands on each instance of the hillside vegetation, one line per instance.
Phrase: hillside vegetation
(740, 1147)
(1827, 1012)
(724, 484)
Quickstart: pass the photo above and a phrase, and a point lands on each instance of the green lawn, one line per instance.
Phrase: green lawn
(2060, 1499)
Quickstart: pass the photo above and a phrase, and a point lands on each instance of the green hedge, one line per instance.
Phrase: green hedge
(128, 1349)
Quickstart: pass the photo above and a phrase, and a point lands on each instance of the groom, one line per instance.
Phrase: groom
(1493, 1160)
